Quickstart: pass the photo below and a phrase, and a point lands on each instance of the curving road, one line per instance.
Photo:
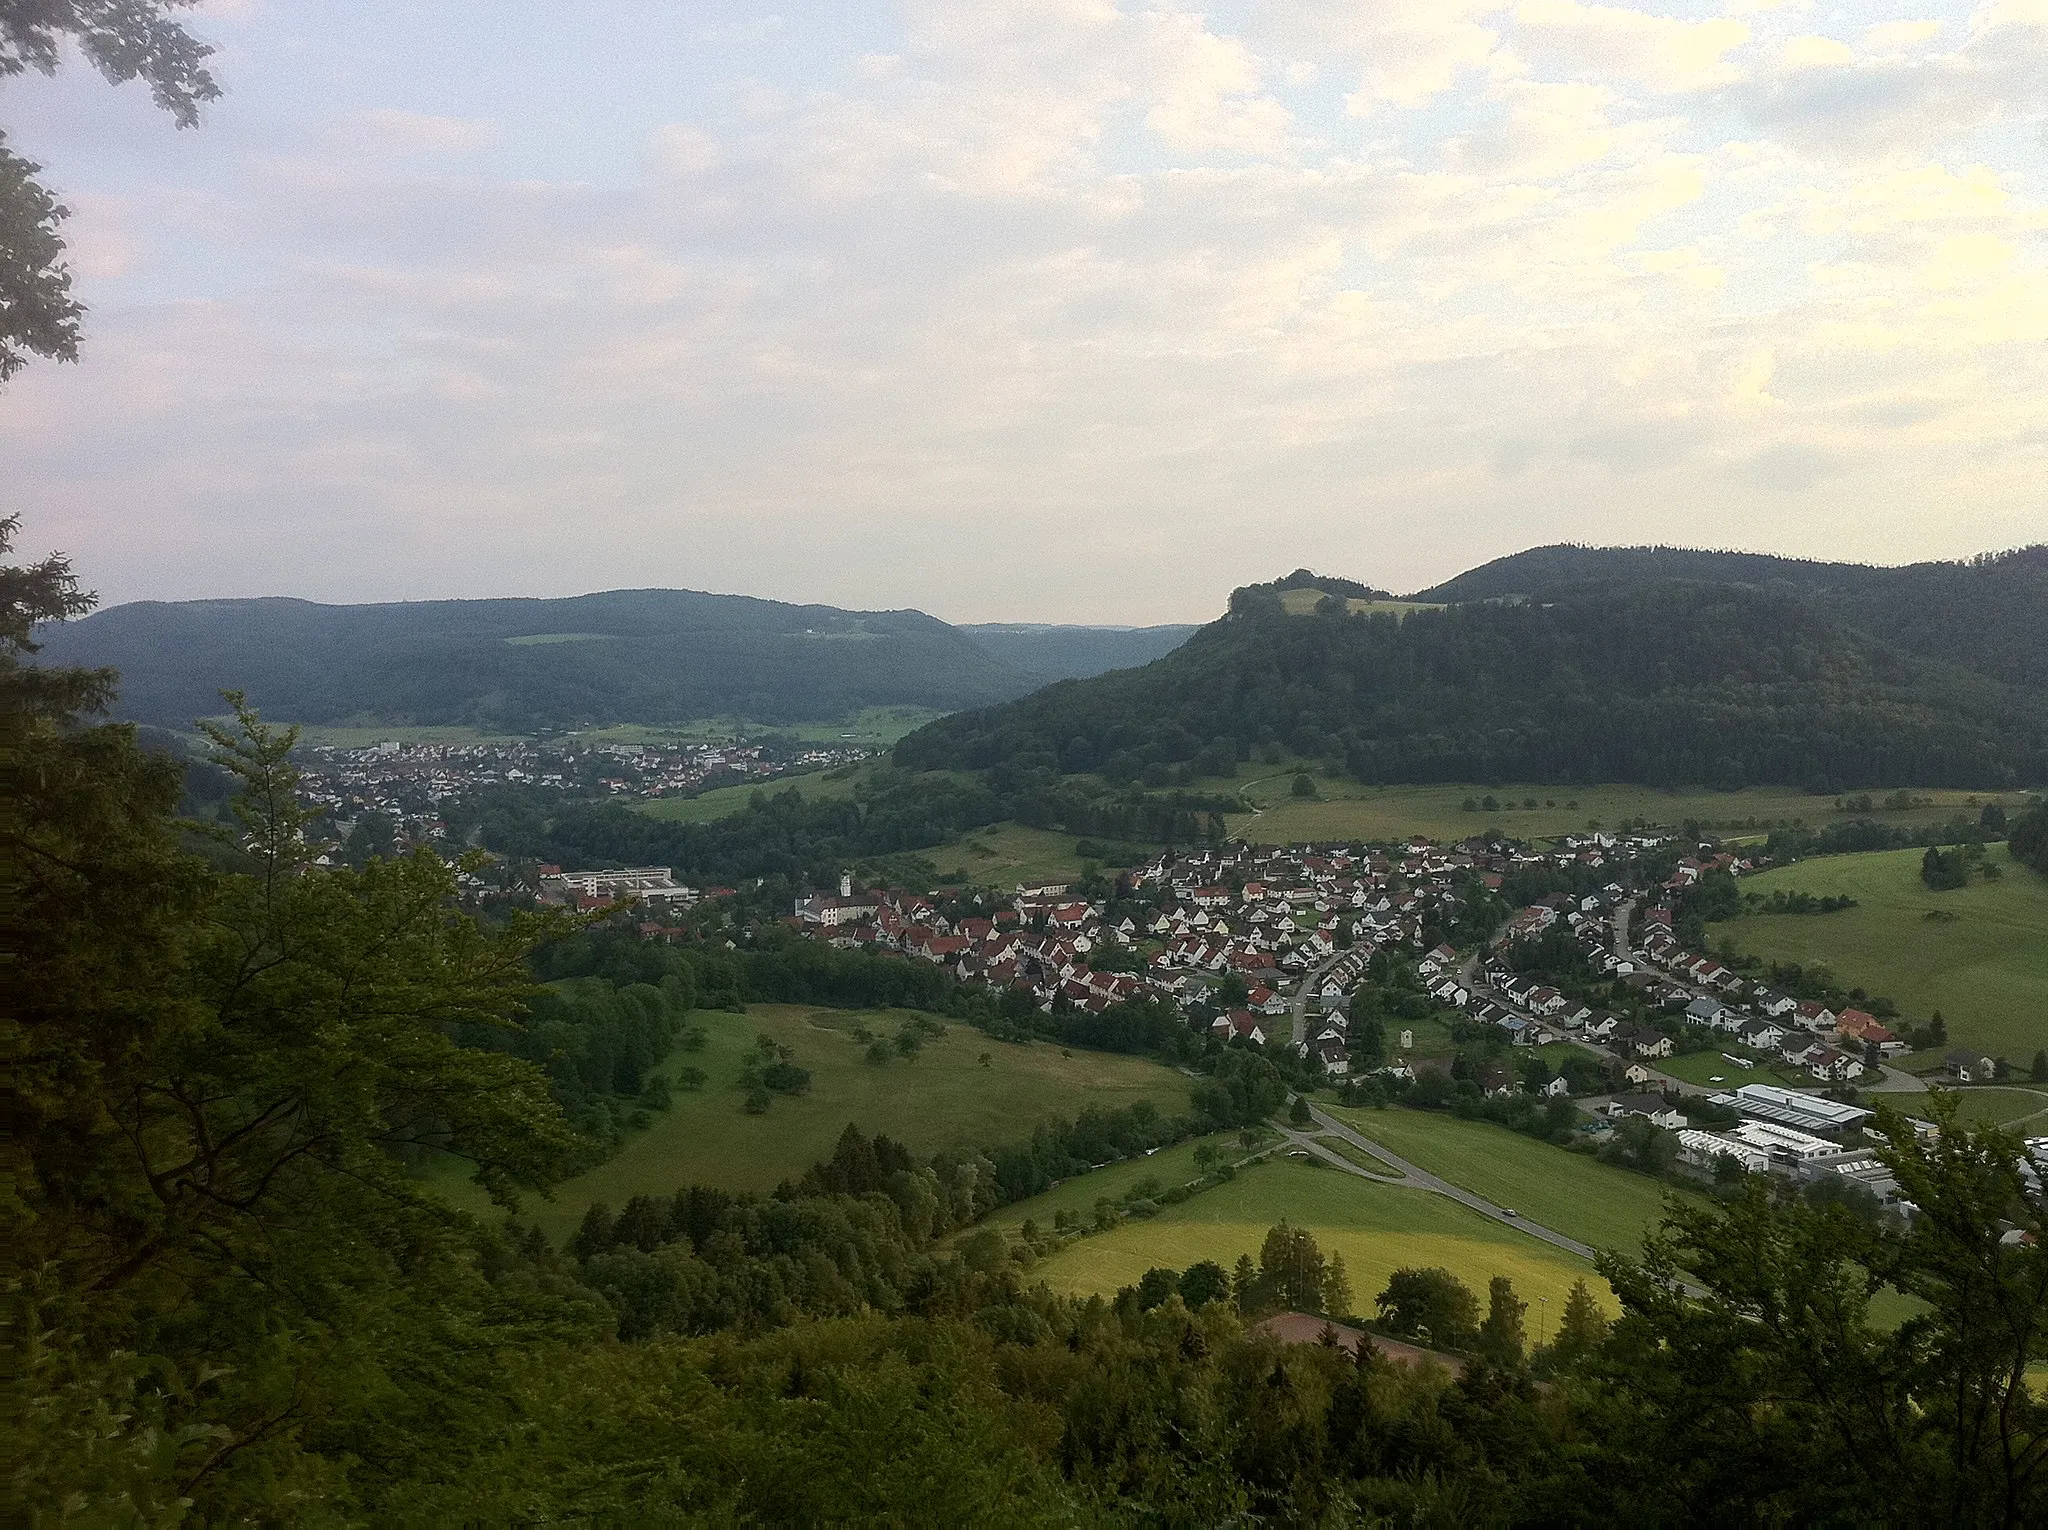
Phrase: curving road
(1412, 1176)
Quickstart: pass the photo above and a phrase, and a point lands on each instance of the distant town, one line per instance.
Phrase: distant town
(408, 785)
(1275, 948)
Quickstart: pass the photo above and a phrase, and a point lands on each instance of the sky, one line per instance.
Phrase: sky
(1039, 310)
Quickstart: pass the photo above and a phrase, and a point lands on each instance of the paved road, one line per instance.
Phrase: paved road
(1411, 1176)
(1623, 911)
(1301, 998)
(1421, 1179)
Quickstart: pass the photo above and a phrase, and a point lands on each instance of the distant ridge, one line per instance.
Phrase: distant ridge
(1666, 666)
(648, 656)
(1047, 653)
(1988, 614)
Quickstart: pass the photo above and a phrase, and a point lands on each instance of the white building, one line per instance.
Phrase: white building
(1782, 1144)
(650, 884)
(1701, 1149)
(1790, 1107)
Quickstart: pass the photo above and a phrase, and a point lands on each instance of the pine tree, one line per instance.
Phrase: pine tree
(1291, 1269)
(1337, 1296)
(1244, 1286)
(1500, 1336)
(1581, 1329)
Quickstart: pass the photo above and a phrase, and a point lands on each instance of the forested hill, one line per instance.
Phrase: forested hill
(1988, 614)
(1654, 681)
(647, 656)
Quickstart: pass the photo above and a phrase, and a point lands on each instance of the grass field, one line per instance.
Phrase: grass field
(1997, 1106)
(1986, 969)
(724, 801)
(1377, 1228)
(1565, 1191)
(1005, 854)
(1304, 602)
(1432, 1039)
(945, 1098)
(1703, 1067)
(1170, 1166)
(1352, 810)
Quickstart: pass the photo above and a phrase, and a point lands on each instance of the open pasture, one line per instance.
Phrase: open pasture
(1565, 1191)
(1981, 959)
(1377, 1228)
(1345, 809)
(1003, 855)
(724, 801)
(945, 1097)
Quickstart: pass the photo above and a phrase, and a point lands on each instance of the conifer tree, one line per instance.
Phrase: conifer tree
(1337, 1297)
(1244, 1286)
(1500, 1336)
(1581, 1329)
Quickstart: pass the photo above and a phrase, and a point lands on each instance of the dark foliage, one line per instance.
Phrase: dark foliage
(1669, 683)
(621, 656)
(2028, 840)
(1987, 614)
(806, 841)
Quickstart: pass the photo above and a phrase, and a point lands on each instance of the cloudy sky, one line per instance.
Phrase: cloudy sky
(1040, 309)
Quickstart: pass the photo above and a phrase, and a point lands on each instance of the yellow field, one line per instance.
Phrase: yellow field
(1377, 1228)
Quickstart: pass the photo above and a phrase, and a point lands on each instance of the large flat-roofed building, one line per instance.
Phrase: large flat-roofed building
(650, 884)
(1703, 1148)
(1790, 1107)
(1784, 1144)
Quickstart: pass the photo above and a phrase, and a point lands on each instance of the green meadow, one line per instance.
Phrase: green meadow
(1344, 809)
(1565, 1191)
(1979, 954)
(1378, 1229)
(947, 1096)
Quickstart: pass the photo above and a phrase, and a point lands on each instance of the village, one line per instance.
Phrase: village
(411, 785)
(1268, 947)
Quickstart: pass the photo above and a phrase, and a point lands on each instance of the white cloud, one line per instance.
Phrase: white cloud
(389, 130)
(1020, 275)
(685, 150)
(1662, 53)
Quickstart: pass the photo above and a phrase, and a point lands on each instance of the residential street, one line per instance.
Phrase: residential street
(1309, 984)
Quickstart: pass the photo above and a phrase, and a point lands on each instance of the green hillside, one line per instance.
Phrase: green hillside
(946, 1097)
(1979, 954)
(1989, 614)
(622, 656)
(1666, 683)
